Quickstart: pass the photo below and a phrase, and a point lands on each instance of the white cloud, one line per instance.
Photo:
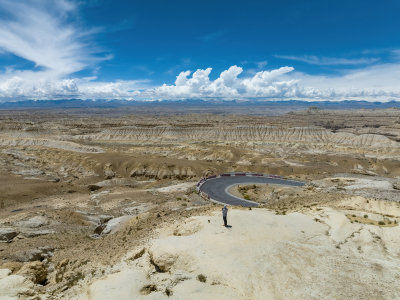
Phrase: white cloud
(228, 85)
(326, 61)
(376, 83)
(40, 31)
(43, 36)
(22, 88)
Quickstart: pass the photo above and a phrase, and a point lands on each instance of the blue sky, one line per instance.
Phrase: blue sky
(157, 49)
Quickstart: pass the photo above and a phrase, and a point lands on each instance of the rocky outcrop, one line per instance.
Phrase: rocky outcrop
(7, 141)
(38, 254)
(36, 271)
(162, 171)
(396, 185)
(161, 259)
(112, 182)
(108, 171)
(34, 222)
(7, 234)
(115, 224)
(33, 226)
(15, 286)
(316, 135)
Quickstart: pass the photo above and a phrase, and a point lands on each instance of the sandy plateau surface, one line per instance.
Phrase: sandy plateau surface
(101, 204)
(317, 255)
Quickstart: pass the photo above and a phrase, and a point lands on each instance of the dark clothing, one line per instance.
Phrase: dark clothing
(225, 221)
(225, 211)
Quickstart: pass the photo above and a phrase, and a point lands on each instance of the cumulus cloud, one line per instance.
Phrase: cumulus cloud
(228, 85)
(373, 83)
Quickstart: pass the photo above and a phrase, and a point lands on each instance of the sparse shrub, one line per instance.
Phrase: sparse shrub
(395, 221)
(381, 223)
(184, 204)
(147, 289)
(366, 216)
(168, 292)
(353, 216)
(201, 278)
(247, 197)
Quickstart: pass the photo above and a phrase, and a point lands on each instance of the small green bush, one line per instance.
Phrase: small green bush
(381, 223)
(201, 278)
(366, 216)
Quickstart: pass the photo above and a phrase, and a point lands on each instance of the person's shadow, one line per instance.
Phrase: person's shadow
(228, 226)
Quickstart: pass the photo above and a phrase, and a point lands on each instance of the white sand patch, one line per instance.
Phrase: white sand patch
(293, 164)
(362, 183)
(243, 162)
(357, 183)
(180, 187)
(370, 205)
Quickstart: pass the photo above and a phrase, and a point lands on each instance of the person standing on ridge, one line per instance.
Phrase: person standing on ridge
(225, 215)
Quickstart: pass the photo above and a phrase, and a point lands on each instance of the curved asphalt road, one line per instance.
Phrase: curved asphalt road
(217, 188)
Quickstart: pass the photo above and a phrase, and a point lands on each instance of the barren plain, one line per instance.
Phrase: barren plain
(102, 204)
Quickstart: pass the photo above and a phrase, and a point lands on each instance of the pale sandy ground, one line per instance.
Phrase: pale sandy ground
(180, 187)
(263, 256)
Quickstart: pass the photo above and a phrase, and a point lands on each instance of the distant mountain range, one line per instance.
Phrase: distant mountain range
(297, 104)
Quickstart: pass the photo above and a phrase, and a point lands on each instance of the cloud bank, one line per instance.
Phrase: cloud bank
(228, 86)
(380, 82)
(377, 83)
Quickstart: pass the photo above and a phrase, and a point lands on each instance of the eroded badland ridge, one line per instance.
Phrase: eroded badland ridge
(109, 194)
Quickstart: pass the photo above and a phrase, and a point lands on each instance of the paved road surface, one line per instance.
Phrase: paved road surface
(217, 188)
